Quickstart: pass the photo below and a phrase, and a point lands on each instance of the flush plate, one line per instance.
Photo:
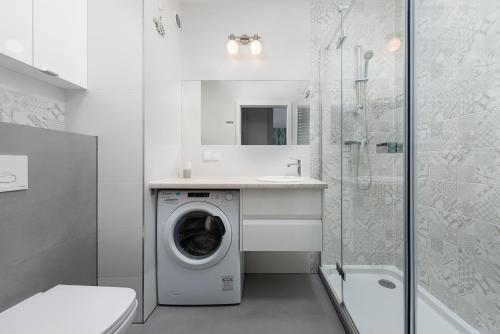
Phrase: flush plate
(13, 172)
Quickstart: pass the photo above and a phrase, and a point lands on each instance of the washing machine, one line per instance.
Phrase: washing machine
(198, 252)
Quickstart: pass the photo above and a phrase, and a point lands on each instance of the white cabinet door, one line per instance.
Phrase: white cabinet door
(282, 235)
(16, 27)
(60, 39)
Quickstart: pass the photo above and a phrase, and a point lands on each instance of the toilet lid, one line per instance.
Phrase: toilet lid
(71, 309)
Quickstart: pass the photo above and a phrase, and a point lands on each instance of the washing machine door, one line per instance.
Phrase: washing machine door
(197, 235)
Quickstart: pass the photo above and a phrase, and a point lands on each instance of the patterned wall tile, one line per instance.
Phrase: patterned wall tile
(458, 152)
(19, 108)
(478, 201)
(480, 165)
(480, 129)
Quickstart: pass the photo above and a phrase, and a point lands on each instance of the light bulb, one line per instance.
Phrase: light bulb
(256, 47)
(232, 46)
(393, 44)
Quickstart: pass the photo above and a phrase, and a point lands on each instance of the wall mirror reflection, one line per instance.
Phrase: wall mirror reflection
(245, 112)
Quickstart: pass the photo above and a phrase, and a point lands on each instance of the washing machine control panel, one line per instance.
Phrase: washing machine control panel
(166, 196)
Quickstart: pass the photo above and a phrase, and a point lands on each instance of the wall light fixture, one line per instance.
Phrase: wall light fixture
(233, 43)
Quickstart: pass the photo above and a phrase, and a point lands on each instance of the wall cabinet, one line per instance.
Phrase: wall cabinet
(53, 39)
(16, 30)
(60, 39)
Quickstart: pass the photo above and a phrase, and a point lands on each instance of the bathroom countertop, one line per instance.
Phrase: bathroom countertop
(234, 183)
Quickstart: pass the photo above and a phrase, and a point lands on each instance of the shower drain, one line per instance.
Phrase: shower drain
(387, 284)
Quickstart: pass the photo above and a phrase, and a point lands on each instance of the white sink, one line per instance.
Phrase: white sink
(281, 178)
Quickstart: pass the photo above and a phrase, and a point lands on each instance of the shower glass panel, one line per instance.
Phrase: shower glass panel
(373, 165)
(328, 81)
(362, 87)
(458, 166)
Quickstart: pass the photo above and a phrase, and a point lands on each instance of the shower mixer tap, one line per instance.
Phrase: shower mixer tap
(358, 110)
(361, 142)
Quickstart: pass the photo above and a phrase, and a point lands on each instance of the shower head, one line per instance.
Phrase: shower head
(368, 56)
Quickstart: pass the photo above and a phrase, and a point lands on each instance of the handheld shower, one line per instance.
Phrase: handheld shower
(361, 82)
(368, 56)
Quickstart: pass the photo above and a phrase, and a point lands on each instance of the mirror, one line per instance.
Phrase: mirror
(245, 112)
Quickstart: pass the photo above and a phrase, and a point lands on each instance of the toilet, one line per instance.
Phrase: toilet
(72, 309)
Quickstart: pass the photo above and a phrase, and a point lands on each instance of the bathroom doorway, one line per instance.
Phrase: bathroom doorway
(263, 125)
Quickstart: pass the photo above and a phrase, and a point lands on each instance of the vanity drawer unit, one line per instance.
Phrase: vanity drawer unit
(281, 220)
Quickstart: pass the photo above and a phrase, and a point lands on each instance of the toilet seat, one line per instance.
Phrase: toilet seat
(72, 309)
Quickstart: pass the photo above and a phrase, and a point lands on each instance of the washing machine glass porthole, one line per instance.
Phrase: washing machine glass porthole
(198, 234)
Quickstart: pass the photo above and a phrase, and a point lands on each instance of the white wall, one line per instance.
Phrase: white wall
(133, 105)
(112, 108)
(162, 122)
(246, 160)
(285, 30)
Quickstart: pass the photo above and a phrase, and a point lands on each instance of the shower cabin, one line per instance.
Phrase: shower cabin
(407, 94)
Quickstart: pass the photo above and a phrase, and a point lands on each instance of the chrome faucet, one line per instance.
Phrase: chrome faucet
(297, 163)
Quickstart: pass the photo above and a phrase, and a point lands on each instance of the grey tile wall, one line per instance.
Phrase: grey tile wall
(458, 156)
(48, 232)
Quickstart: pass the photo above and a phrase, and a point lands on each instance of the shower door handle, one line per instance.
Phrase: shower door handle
(341, 271)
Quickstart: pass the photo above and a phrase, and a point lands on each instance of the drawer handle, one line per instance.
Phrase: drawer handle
(51, 73)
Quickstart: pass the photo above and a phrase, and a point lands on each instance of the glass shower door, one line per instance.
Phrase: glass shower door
(329, 80)
(372, 161)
